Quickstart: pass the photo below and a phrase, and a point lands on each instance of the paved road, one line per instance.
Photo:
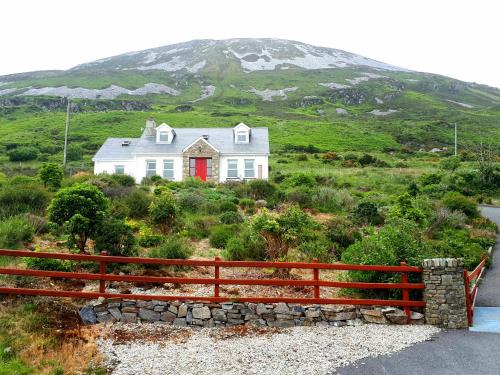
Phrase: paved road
(453, 352)
(489, 291)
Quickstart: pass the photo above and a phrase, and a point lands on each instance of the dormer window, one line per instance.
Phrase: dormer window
(241, 137)
(163, 136)
(241, 133)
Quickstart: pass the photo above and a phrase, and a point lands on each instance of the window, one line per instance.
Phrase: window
(209, 167)
(249, 168)
(241, 137)
(163, 136)
(168, 169)
(119, 169)
(232, 168)
(192, 167)
(150, 168)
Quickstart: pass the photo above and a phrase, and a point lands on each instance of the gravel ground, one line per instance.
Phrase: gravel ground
(153, 349)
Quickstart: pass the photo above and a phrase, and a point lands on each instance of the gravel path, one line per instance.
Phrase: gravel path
(299, 350)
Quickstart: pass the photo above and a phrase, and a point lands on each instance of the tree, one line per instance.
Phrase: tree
(164, 211)
(51, 174)
(116, 237)
(81, 209)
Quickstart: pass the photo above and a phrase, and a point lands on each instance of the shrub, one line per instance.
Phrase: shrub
(147, 238)
(302, 157)
(245, 246)
(456, 201)
(81, 208)
(349, 163)
(23, 153)
(342, 232)
(230, 217)
(164, 211)
(122, 180)
(22, 198)
(450, 163)
(330, 156)
(220, 235)
(38, 223)
(75, 152)
(300, 196)
(15, 231)
(247, 203)
(199, 227)
(228, 206)
(116, 237)
(261, 189)
(445, 218)
(51, 174)
(330, 200)
(300, 179)
(47, 264)
(191, 202)
(367, 159)
(366, 213)
(430, 179)
(138, 202)
(174, 247)
(318, 248)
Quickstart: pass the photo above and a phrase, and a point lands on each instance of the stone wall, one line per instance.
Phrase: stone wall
(202, 314)
(201, 150)
(445, 293)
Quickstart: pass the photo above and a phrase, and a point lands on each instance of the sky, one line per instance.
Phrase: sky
(454, 38)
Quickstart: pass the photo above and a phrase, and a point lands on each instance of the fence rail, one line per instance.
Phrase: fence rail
(103, 276)
(473, 278)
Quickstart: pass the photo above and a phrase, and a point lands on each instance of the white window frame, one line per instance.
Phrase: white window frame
(169, 171)
(165, 134)
(148, 169)
(243, 133)
(247, 170)
(232, 169)
(119, 166)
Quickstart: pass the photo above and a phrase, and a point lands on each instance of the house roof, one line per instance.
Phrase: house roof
(220, 138)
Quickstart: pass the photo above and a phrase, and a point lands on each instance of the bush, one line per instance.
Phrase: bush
(191, 202)
(18, 199)
(81, 208)
(220, 235)
(331, 200)
(300, 196)
(451, 163)
(47, 264)
(230, 218)
(199, 227)
(318, 248)
(330, 156)
(115, 237)
(456, 201)
(147, 238)
(51, 174)
(367, 159)
(228, 206)
(122, 180)
(342, 232)
(300, 179)
(261, 189)
(366, 213)
(75, 152)
(174, 247)
(302, 157)
(138, 202)
(23, 153)
(245, 246)
(38, 223)
(15, 231)
(247, 203)
(430, 179)
(164, 212)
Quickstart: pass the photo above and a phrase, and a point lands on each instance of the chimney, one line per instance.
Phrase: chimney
(150, 127)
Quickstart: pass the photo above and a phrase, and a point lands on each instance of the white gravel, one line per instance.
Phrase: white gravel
(299, 350)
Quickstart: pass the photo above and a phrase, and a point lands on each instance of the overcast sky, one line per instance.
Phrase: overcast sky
(455, 38)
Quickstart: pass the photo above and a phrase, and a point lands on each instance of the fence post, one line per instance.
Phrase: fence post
(217, 276)
(467, 298)
(102, 271)
(406, 294)
(316, 278)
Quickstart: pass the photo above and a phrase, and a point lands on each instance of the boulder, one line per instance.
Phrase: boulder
(88, 315)
(281, 308)
(128, 318)
(182, 311)
(149, 315)
(201, 313)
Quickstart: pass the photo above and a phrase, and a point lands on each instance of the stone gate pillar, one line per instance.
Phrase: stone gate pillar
(445, 293)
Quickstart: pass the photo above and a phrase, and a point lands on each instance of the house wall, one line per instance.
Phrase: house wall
(259, 160)
(202, 149)
(109, 166)
(140, 166)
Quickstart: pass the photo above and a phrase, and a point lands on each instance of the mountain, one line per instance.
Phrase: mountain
(270, 80)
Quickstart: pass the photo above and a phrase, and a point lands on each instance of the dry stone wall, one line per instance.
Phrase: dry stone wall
(200, 314)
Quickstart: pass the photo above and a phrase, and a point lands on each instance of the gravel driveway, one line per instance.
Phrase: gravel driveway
(154, 349)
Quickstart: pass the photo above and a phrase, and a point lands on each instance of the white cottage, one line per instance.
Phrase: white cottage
(211, 154)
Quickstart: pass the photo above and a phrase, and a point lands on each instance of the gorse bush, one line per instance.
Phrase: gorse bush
(137, 202)
(366, 213)
(116, 237)
(47, 264)
(261, 189)
(164, 211)
(300, 179)
(245, 246)
(228, 206)
(23, 153)
(192, 202)
(342, 232)
(331, 200)
(220, 235)
(15, 231)
(147, 238)
(174, 247)
(22, 198)
(230, 217)
(457, 201)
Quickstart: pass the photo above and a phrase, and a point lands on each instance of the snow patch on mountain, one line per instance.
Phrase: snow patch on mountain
(268, 94)
(110, 92)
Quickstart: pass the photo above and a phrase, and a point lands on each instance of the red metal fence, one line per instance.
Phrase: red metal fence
(472, 278)
(216, 280)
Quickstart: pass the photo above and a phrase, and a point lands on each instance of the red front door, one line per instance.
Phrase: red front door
(201, 168)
